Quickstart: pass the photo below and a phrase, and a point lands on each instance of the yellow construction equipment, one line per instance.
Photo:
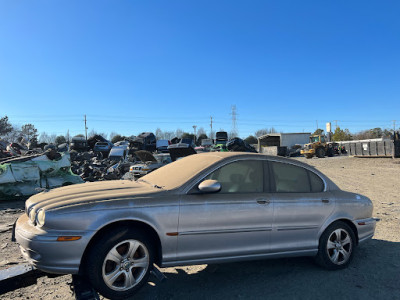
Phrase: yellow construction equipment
(318, 147)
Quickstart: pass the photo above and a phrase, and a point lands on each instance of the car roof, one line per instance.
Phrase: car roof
(243, 155)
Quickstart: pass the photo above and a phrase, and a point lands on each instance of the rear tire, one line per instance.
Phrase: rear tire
(119, 264)
(330, 152)
(336, 246)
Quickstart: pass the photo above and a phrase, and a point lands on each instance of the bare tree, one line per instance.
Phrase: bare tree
(159, 134)
(169, 135)
(53, 137)
(264, 131)
(201, 131)
(94, 132)
(112, 135)
(44, 138)
(232, 134)
(179, 133)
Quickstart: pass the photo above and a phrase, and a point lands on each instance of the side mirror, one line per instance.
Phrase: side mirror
(209, 186)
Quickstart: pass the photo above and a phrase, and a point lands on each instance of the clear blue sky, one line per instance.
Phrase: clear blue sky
(133, 66)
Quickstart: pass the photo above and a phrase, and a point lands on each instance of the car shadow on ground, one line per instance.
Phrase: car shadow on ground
(373, 273)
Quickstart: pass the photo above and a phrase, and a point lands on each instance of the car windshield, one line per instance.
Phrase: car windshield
(163, 158)
(177, 173)
(314, 139)
(186, 141)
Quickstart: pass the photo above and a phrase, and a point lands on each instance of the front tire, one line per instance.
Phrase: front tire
(336, 246)
(320, 152)
(119, 264)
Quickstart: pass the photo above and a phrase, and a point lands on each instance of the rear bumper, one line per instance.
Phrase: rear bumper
(365, 228)
(41, 248)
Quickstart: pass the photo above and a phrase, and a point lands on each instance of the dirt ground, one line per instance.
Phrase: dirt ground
(373, 274)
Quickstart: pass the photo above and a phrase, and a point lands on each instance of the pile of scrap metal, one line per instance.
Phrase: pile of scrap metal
(28, 175)
(3, 150)
(93, 167)
(144, 141)
(147, 164)
(22, 148)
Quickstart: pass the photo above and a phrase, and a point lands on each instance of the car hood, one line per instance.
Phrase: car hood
(87, 193)
(145, 156)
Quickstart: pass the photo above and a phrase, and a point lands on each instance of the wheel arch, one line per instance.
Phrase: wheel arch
(142, 226)
(347, 222)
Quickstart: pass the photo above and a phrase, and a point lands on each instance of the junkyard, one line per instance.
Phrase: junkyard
(374, 272)
(199, 150)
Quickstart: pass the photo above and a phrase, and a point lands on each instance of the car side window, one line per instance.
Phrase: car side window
(317, 185)
(290, 179)
(240, 177)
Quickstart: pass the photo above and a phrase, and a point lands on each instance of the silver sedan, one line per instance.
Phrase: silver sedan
(205, 208)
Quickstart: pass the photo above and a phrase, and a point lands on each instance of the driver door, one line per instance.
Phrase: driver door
(237, 220)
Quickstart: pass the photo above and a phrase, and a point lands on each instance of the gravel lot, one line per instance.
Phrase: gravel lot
(373, 274)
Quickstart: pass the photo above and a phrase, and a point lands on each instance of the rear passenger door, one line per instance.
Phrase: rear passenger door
(301, 206)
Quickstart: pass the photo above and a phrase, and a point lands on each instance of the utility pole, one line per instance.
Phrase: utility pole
(85, 128)
(194, 127)
(211, 132)
(335, 123)
(394, 125)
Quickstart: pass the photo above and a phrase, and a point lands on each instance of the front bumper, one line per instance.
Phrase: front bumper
(365, 228)
(307, 151)
(138, 173)
(41, 248)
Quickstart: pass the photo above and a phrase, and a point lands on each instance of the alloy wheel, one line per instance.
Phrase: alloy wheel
(339, 246)
(125, 265)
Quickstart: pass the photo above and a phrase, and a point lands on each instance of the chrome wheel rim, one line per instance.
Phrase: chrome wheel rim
(339, 246)
(125, 265)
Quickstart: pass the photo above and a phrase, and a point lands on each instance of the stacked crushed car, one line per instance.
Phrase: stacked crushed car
(28, 175)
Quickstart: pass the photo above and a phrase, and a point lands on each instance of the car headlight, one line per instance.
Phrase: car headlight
(40, 218)
(32, 215)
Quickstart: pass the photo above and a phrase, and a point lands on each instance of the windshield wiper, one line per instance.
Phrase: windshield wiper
(153, 185)
(142, 180)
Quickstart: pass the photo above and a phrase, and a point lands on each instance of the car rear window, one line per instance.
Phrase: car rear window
(290, 178)
(294, 179)
(317, 185)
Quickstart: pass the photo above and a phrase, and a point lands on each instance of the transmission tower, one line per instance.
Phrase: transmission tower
(234, 115)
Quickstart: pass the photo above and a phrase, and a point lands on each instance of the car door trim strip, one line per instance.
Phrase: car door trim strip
(297, 228)
(226, 231)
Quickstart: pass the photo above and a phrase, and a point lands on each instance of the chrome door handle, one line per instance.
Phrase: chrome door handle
(262, 201)
(325, 200)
